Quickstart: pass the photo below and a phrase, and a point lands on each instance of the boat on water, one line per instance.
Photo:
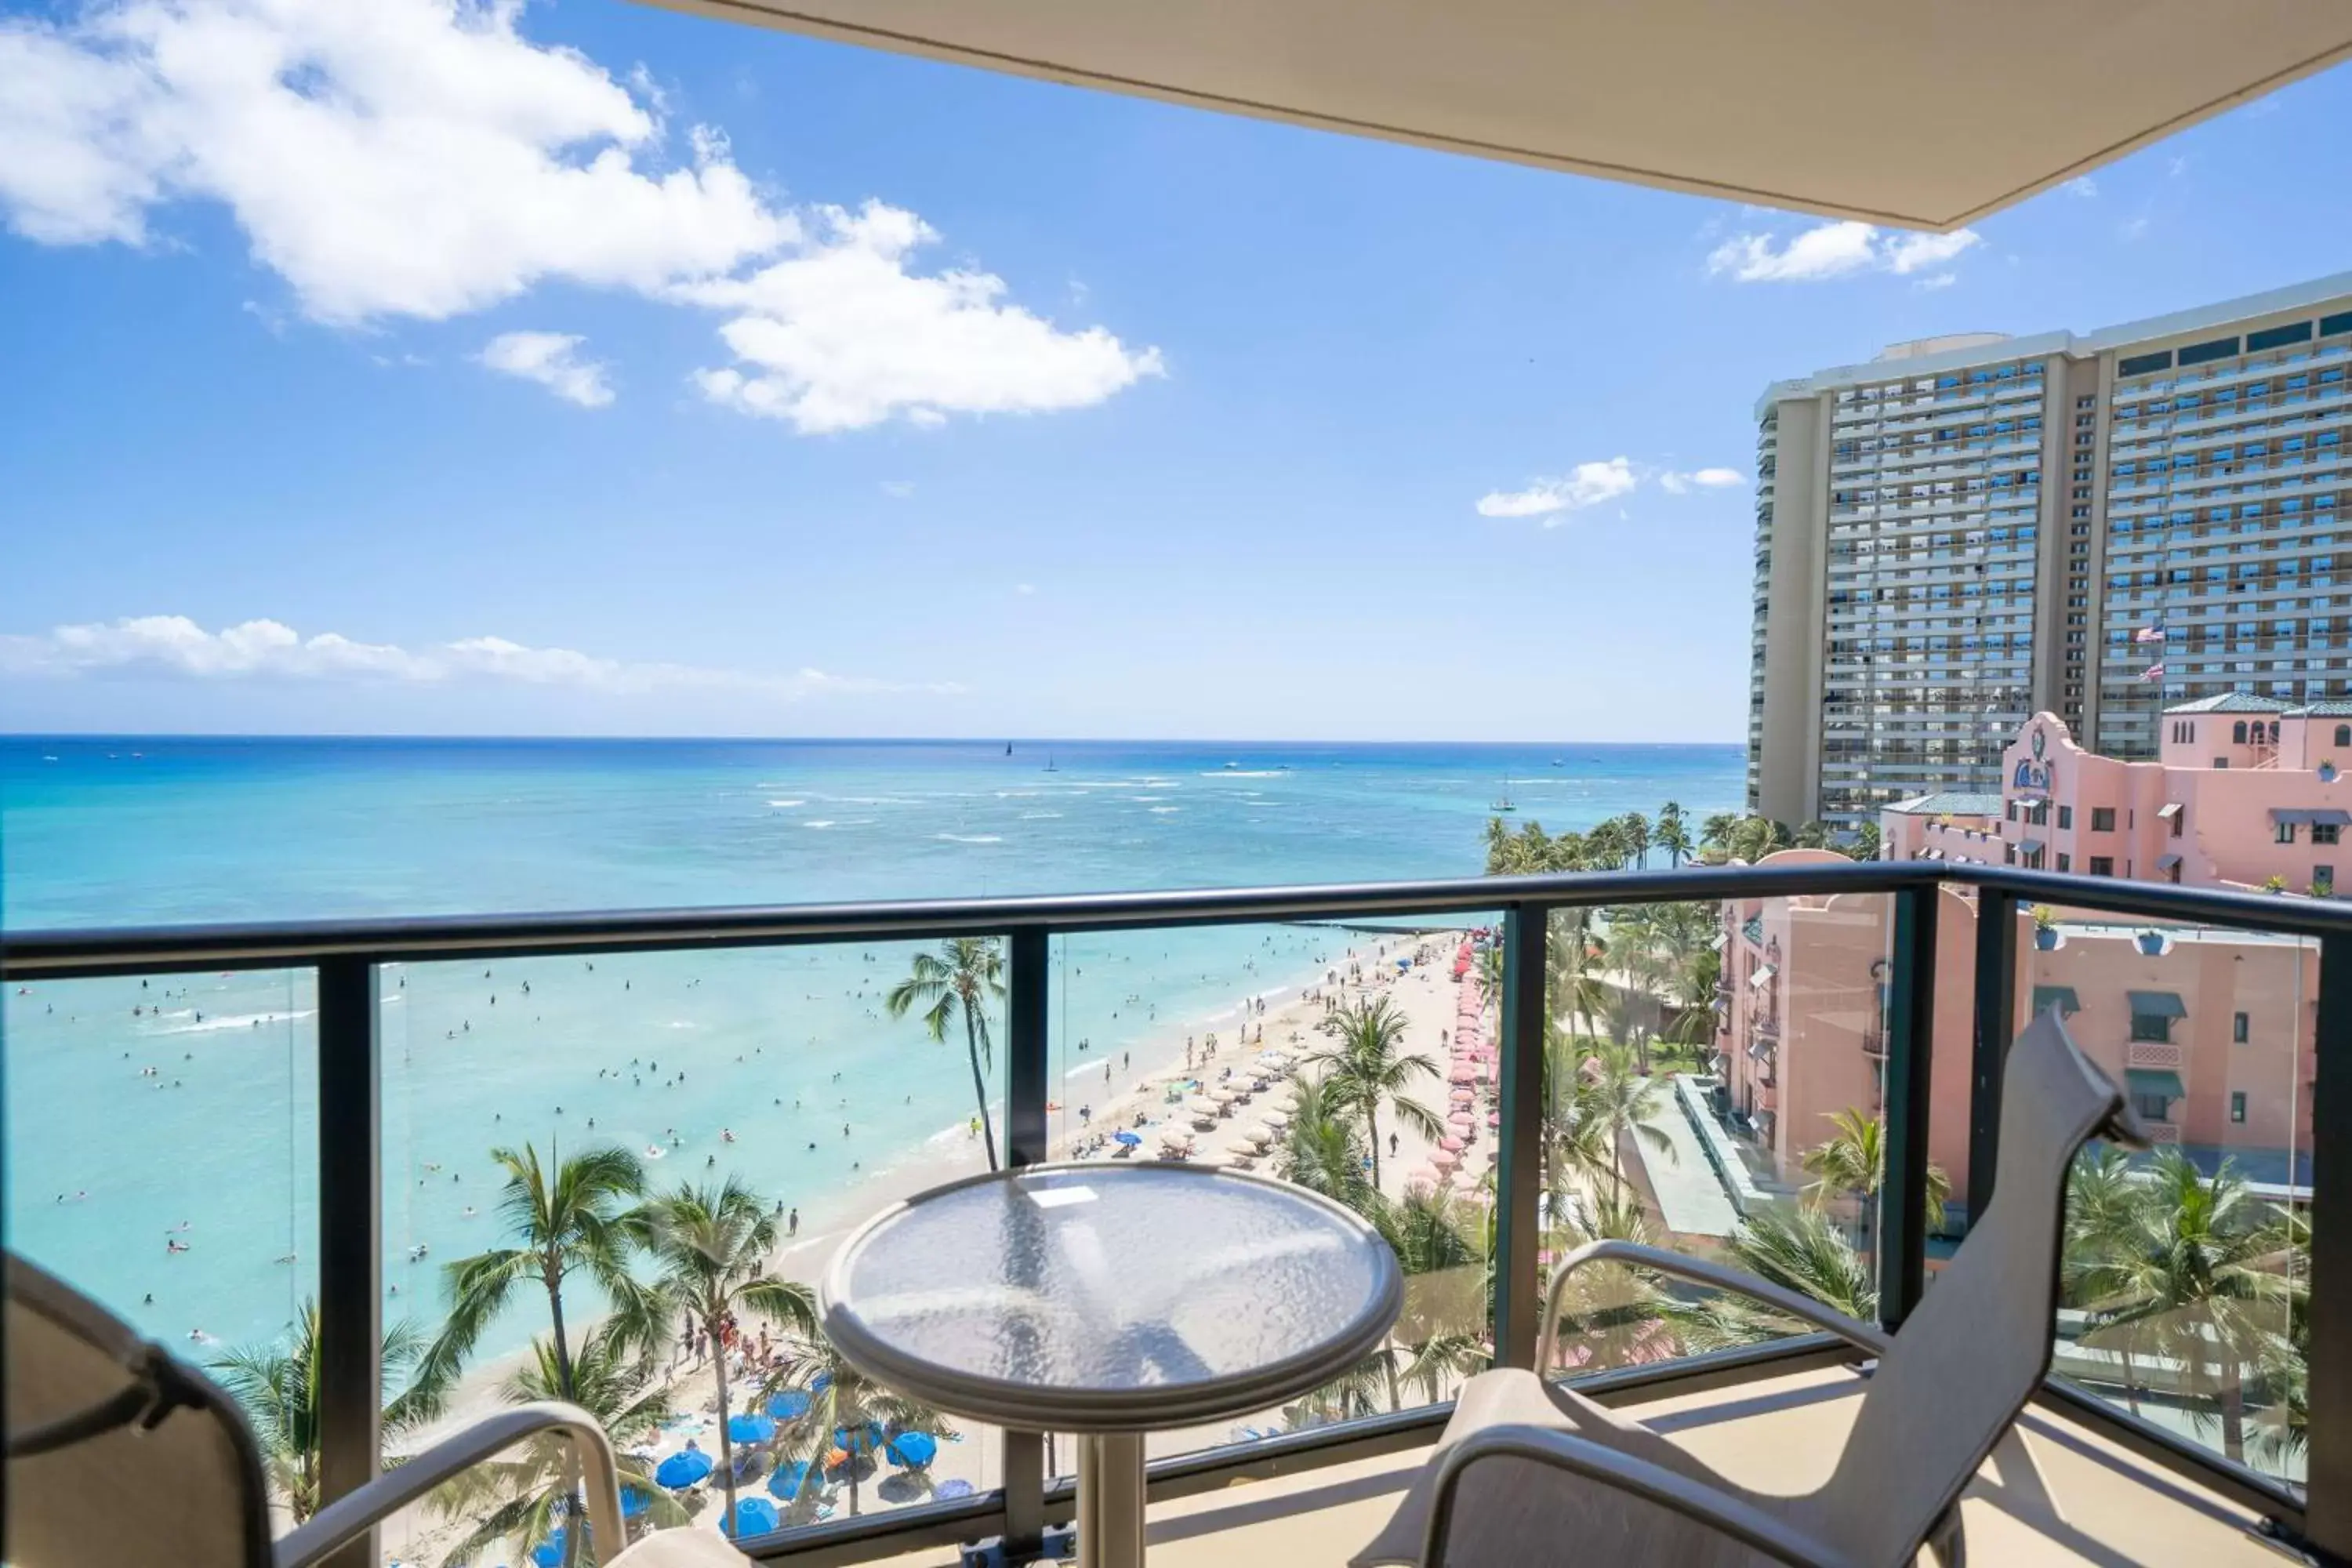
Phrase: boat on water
(1049, 764)
(1506, 804)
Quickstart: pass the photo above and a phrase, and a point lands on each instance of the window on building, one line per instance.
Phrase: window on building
(2065, 817)
(2221, 764)
(2103, 820)
(2238, 1028)
(2327, 833)
(2323, 880)
(2237, 1105)
(2343, 734)
(2286, 833)
(2066, 862)
(2237, 733)
(2155, 1028)
(2103, 865)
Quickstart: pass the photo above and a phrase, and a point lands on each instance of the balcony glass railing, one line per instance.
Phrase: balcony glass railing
(1592, 1070)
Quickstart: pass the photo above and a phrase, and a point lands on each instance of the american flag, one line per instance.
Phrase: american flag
(2148, 634)
(2153, 672)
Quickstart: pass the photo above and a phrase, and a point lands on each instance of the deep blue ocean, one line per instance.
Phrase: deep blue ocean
(134, 1110)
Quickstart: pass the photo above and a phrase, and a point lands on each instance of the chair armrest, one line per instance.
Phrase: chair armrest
(1597, 1462)
(345, 1518)
(1804, 1309)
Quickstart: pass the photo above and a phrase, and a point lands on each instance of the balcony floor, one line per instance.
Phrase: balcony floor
(2091, 1503)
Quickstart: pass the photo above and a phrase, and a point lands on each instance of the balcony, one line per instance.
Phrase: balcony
(1307, 1484)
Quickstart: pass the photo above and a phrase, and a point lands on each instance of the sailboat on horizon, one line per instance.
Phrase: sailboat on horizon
(1504, 804)
(1049, 764)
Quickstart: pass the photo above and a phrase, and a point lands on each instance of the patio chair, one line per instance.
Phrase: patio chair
(1528, 1471)
(118, 1453)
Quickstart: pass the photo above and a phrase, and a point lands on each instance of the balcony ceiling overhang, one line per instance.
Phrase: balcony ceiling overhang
(1926, 116)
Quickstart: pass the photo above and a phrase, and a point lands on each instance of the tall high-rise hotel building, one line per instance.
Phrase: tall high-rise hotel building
(1968, 530)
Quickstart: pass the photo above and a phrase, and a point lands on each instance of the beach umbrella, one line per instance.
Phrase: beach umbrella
(1201, 1105)
(789, 1405)
(1130, 1139)
(754, 1516)
(634, 1502)
(549, 1552)
(1444, 1163)
(683, 1469)
(788, 1479)
(1462, 1096)
(858, 1440)
(1451, 1145)
(750, 1426)
(820, 1383)
(913, 1449)
(954, 1489)
(1465, 1075)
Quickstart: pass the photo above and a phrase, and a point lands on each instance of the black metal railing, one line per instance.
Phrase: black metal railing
(348, 956)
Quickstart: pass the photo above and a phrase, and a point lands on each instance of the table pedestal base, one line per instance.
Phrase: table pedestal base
(1110, 1502)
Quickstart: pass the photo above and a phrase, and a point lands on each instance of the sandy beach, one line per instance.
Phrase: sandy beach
(1149, 1091)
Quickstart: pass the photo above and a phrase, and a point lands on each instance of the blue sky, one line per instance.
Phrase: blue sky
(602, 369)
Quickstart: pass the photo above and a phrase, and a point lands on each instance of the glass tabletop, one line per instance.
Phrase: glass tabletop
(1111, 1298)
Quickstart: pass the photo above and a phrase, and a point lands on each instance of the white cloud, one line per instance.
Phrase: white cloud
(424, 158)
(553, 360)
(1024, 589)
(1833, 250)
(842, 335)
(1589, 484)
(176, 646)
(398, 157)
(1939, 280)
(897, 489)
(2081, 185)
(1675, 484)
(2132, 229)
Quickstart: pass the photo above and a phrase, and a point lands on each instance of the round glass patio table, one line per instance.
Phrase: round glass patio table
(1109, 1301)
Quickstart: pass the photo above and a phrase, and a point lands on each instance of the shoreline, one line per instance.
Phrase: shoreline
(1288, 1025)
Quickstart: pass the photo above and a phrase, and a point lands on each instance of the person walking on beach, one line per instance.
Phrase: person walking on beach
(792, 1226)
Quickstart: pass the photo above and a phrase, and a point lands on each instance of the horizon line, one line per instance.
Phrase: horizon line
(77, 735)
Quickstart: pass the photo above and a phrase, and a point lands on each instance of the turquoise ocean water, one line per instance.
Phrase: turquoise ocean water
(134, 1110)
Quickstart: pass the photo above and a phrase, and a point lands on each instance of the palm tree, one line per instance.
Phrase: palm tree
(1321, 1150)
(2102, 1231)
(1637, 837)
(278, 1385)
(1439, 1239)
(712, 1246)
(1799, 1249)
(1714, 833)
(1615, 1312)
(566, 1221)
(528, 1491)
(1597, 1102)
(966, 978)
(1854, 1160)
(1673, 835)
(843, 1403)
(1368, 1066)
(2198, 1280)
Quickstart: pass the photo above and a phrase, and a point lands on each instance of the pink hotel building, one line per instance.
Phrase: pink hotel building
(2211, 1031)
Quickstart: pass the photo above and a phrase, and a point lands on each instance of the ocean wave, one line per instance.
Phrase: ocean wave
(818, 822)
(1246, 773)
(1034, 815)
(227, 1021)
(801, 802)
(970, 837)
(1165, 810)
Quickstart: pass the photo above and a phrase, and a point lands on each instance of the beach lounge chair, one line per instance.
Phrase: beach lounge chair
(120, 1453)
(1531, 1472)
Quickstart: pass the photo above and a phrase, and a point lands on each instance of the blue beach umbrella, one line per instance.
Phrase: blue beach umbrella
(549, 1552)
(955, 1489)
(753, 1516)
(1130, 1139)
(789, 1406)
(634, 1502)
(913, 1448)
(820, 1383)
(858, 1440)
(683, 1469)
(788, 1479)
(750, 1426)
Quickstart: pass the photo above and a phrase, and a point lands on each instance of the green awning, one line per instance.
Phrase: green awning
(2157, 1005)
(2153, 1080)
(2059, 996)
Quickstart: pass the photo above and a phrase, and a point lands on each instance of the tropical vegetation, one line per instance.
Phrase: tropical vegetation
(962, 982)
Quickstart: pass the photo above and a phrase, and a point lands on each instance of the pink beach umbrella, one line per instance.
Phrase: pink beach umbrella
(1443, 1162)
(1463, 1096)
(1449, 1145)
